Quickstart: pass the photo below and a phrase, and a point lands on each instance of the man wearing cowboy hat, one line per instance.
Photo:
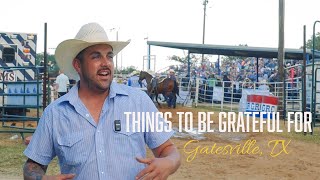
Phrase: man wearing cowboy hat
(172, 74)
(171, 99)
(87, 127)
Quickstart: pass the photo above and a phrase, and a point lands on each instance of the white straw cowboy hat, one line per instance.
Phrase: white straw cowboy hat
(89, 34)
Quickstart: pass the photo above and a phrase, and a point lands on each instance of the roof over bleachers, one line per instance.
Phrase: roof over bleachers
(245, 51)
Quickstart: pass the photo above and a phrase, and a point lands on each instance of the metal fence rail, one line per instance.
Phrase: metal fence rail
(20, 100)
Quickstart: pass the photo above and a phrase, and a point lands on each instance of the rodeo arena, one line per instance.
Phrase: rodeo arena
(249, 84)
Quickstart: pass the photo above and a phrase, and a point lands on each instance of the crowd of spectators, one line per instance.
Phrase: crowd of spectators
(236, 71)
(244, 69)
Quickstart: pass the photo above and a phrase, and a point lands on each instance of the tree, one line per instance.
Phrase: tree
(53, 68)
(128, 70)
(194, 59)
(317, 42)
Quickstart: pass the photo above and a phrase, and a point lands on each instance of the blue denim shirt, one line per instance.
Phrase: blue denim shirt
(90, 150)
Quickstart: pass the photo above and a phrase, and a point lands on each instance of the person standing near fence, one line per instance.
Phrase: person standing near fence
(62, 83)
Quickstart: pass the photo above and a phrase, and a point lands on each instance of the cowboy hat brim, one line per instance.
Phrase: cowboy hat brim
(69, 49)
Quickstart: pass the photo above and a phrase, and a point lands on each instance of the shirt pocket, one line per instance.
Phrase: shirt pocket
(130, 145)
(132, 142)
(73, 149)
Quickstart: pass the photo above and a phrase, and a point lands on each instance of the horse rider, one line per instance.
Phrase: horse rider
(154, 83)
(171, 99)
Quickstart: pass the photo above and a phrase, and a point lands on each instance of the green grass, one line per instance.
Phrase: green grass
(315, 138)
(12, 158)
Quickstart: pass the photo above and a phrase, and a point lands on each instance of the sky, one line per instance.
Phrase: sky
(228, 22)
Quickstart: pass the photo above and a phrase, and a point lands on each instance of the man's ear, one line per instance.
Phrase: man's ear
(76, 65)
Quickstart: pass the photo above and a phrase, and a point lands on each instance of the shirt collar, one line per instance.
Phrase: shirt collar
(116, 89)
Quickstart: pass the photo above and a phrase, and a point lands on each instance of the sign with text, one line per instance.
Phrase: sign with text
(8, 76)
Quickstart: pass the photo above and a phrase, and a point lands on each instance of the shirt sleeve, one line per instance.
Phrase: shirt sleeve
(154, 139)
(41, 148)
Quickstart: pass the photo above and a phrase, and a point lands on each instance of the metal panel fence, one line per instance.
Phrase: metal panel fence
(227, 96)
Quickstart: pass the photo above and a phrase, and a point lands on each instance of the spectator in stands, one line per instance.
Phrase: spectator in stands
(274, 77)
(212, 81)
(263, 85)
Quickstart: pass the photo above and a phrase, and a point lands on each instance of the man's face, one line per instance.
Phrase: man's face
(96, 67)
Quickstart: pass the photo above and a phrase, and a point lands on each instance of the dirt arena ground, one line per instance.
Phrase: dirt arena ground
(302, 160)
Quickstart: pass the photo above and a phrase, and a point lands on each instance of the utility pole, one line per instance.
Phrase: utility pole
(205, 2)
(45, 74)
(117, 55)
(281, 54)
(117, 30)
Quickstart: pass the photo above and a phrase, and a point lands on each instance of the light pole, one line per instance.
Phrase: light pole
(117, 55)
(117, 35)
(205, 2)
(148, 54)
(281, 55)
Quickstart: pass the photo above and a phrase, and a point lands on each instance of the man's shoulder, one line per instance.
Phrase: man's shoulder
(129, 89)
(131, 92)
(53, 107)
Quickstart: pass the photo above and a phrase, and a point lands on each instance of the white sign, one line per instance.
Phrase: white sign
(8, 76)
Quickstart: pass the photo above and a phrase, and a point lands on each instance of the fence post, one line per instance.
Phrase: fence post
(197, 92)
(221, 104)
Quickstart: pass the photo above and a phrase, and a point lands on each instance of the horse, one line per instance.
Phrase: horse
(166, 87)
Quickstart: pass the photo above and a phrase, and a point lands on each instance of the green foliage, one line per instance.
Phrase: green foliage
(194, 59)
(128, 70)
(53, 68)
(317, 42)
(50, 57)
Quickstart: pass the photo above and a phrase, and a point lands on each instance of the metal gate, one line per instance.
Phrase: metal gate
(316, 113)
(20, 100)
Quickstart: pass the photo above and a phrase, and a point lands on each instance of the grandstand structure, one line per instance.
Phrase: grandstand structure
(244, 51)
(292, 95)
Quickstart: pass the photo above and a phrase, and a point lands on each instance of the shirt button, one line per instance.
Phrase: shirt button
(98, 131)
(87, 115)
(100, 151)
(102, 172)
